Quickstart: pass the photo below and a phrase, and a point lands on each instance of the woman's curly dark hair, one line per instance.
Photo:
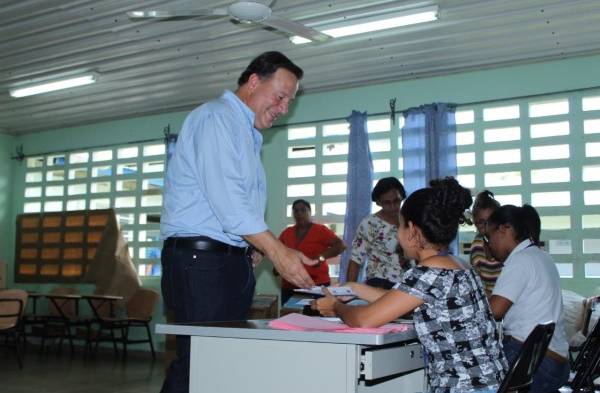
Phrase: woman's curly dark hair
(438, 210)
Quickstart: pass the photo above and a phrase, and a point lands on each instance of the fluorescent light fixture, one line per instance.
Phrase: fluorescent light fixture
(57, 84)
(382, 22)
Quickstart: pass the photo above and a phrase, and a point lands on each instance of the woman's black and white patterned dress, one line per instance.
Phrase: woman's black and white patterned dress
(457, 329)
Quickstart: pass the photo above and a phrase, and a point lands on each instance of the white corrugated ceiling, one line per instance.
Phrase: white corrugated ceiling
(153, 66)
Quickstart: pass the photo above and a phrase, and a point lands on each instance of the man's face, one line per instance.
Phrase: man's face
(269, 98)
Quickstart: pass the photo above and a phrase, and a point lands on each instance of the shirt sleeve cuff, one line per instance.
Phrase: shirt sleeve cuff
(251, 229)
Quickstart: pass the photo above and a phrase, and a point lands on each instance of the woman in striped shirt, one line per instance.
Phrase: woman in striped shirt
(481, 260)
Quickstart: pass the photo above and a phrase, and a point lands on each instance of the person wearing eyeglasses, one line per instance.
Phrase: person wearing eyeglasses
(452, 316)
(375, 241)
(527, 291)
(480, 257)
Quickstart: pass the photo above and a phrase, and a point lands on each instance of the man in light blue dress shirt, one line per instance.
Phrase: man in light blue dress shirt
(214, 206)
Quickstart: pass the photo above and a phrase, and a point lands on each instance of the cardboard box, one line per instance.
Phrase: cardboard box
(264, 307)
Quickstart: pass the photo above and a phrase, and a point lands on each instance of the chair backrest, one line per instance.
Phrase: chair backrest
(521, 372)
(142, 304)
(68, 306)
(587, 364)
(12, 307)
(591, 304)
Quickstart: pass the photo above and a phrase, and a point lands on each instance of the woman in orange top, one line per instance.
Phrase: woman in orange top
(316, 241)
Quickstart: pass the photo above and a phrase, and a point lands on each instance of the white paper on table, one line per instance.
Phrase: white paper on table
(404, 320)
(303, 302)
(335, 291)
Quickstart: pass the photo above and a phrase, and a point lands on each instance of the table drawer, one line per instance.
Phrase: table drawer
(382, 362)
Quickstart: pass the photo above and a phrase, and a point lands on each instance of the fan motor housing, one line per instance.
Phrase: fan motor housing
(249, 11)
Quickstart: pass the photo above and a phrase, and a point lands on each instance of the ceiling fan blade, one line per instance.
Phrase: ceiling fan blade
(177, 13)
(295, 28)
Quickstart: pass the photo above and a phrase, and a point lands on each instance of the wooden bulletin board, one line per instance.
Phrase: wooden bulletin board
(57, 247)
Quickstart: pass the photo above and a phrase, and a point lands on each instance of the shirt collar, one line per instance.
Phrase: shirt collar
(232, 98)
(520, 247)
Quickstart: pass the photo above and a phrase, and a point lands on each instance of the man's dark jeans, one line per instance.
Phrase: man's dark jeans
(202, 286)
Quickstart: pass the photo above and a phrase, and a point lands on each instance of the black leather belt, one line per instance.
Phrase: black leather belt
(204, 243)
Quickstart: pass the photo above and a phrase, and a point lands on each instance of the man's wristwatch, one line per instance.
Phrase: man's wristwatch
(321, 258)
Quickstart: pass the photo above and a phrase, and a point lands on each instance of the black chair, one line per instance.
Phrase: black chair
(590, 306)
(520, 374)
(587, 363)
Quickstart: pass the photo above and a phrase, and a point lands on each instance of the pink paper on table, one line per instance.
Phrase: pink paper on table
(301, 322)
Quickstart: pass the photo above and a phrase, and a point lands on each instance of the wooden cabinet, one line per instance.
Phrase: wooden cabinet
(58, 247)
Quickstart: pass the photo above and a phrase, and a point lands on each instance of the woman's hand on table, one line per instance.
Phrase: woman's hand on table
(365, 292)
(326, 304)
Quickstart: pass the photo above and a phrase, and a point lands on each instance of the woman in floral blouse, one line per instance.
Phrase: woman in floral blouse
(375, 241)
(452, 316)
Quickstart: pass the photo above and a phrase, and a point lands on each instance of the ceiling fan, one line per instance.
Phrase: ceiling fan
(249, 12)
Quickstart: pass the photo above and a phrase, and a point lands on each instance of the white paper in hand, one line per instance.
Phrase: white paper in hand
(335, 291)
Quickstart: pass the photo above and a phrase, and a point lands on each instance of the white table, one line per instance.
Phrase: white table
(248, 356)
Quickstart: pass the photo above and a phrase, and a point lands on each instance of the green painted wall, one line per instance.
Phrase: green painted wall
(508, 82)
(501, 83)
(6, 212)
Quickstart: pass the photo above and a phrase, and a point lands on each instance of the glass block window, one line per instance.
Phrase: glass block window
(317, 157)
(127, 178)
(544, 151)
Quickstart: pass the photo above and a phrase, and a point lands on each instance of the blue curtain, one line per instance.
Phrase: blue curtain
(359, 182)
(428, 144)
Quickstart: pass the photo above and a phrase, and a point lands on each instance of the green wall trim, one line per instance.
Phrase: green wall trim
(473, 86)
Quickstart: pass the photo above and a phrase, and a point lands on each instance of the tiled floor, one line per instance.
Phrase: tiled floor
(52, 373)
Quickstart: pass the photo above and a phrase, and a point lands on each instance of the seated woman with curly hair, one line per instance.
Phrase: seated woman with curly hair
(451, 313)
